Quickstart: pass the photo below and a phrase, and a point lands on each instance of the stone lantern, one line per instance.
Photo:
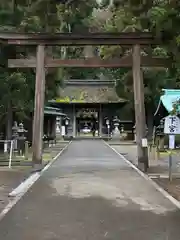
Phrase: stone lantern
(58, 123)
(66, 122)
(107, 121)
(21, 139)
(160, 135)
(116, 122)
(15, 134)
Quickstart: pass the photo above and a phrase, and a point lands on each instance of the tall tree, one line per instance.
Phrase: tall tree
(36, 16)
(159, 17)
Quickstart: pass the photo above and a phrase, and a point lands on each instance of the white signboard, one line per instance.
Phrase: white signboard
(172, 125)
(144, 142)
(171, 141)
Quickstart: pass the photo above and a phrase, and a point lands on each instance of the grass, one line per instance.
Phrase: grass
(48, 155)
(22, 163)
(175, 151)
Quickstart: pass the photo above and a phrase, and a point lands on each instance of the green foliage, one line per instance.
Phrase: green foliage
(162, 19)
(74, 19)
(18, 86)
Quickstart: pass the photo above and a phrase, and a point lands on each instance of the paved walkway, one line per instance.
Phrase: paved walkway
(90, 193)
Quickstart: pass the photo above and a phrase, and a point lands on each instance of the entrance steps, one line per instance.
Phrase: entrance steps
(110, 141)
(89, 138)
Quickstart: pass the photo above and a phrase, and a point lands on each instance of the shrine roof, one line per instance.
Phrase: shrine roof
(88, 94)
(168, 99)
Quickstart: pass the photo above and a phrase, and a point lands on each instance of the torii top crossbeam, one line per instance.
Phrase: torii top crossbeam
(65, 39)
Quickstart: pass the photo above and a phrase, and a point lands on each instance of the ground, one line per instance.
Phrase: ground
(172, 187)
(90, 192)
(9, 179)
(158, 168)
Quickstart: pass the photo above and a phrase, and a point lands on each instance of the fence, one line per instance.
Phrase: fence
(15, 148)
(8, 150)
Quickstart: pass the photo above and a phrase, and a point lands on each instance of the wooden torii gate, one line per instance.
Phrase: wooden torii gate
(132, 40)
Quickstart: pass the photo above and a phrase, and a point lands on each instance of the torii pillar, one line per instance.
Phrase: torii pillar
(38, 121)
(140, 117)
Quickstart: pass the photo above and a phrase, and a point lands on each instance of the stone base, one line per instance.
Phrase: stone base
(37, 167)
(143, 167)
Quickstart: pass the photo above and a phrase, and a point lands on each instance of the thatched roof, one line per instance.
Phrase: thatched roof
(88, 94)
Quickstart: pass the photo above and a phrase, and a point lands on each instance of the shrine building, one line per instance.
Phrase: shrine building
(85, 102)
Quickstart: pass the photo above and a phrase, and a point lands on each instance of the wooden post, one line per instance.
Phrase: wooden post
(26, 150)
(139, 109)
(38, 120)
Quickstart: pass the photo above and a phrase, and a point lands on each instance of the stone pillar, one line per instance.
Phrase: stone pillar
(58, 126)
(53, 132)
(74, 121)
(100, 121)
(48, 127)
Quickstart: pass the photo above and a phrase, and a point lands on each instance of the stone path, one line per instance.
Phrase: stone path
(90, 193)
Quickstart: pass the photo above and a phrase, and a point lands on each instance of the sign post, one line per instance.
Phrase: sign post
(171, 127)
(171, 147)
